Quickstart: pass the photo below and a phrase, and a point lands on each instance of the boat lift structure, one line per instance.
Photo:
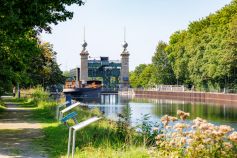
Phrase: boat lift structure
(113, 73)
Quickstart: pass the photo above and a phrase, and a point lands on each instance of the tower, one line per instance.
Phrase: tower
(84, 62)
(124, 72)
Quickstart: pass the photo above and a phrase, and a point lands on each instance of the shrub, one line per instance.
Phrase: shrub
(198, 139)
(147, 130)
(124, 130)
(38, 94)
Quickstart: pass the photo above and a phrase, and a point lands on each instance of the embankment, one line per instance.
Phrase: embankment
(190, 96)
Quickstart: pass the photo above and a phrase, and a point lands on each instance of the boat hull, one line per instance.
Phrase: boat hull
(83, 92)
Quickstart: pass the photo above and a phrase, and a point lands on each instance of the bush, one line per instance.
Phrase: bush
(40, 94)
(124, 130)
(200, 139)
(147, 130)
(35, 95)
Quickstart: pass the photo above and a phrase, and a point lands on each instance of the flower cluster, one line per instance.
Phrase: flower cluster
(196, 139)
(233, 137)
(183, 115)
(166, 119)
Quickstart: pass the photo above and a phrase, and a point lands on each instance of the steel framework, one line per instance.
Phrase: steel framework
(108, 70)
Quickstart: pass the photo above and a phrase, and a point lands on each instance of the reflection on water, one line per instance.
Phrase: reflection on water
(112, 105)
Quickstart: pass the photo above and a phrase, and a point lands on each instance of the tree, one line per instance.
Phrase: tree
(162, 66)
(204, 55)
(135, 76)
(20, 24)
(146, 78)
(19, 16)
(44, 69)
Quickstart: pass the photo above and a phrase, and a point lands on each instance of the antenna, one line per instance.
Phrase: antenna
(125, 44)
(84, 38)
(84, 35)
(124, 34)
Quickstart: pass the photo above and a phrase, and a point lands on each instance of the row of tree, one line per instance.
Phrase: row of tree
(204, 55)
(24, 58)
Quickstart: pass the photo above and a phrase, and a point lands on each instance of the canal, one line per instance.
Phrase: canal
(113, 105)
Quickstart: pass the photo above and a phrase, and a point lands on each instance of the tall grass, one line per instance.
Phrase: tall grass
(100, 139)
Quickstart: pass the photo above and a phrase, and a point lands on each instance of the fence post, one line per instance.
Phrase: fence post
(69, 142)
(68, 99)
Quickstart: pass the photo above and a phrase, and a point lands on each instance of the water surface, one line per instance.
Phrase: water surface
(112, 105)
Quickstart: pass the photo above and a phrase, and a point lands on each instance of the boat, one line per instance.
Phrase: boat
(92, 89)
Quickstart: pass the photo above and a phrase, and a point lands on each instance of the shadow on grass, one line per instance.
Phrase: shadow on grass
(43, 115)
(19, 143)
(28, 104)
(21, 102)
(15, 100)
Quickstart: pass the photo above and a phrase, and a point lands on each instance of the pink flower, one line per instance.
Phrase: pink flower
(225, 129)
(183, 115)
(180, 126)
(233, 137)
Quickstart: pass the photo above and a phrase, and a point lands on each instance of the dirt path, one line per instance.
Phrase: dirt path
(18, 132)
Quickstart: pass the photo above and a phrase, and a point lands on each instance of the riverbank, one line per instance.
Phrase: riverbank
(102, 139)
(174, 138)
(118, 139)
(189, 96)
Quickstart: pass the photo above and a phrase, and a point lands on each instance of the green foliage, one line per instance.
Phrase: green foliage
(124, 131)
(45, 107)
(66, 74)
(18, 17)
(23, 58)
(204, 55)
(135, 76)
(43, 69)
(101, 139)
(30, 64)
(146, 130)
(162, 65)
(38, 93)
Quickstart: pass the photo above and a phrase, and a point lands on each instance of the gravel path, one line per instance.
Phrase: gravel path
(18, 132)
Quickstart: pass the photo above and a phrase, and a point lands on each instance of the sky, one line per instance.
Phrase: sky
(146, 21)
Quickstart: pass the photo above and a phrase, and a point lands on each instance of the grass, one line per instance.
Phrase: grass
(131, 152)
(15, 152)
(100, 139)
(97, 140)
(22, 102)
(16, 100)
